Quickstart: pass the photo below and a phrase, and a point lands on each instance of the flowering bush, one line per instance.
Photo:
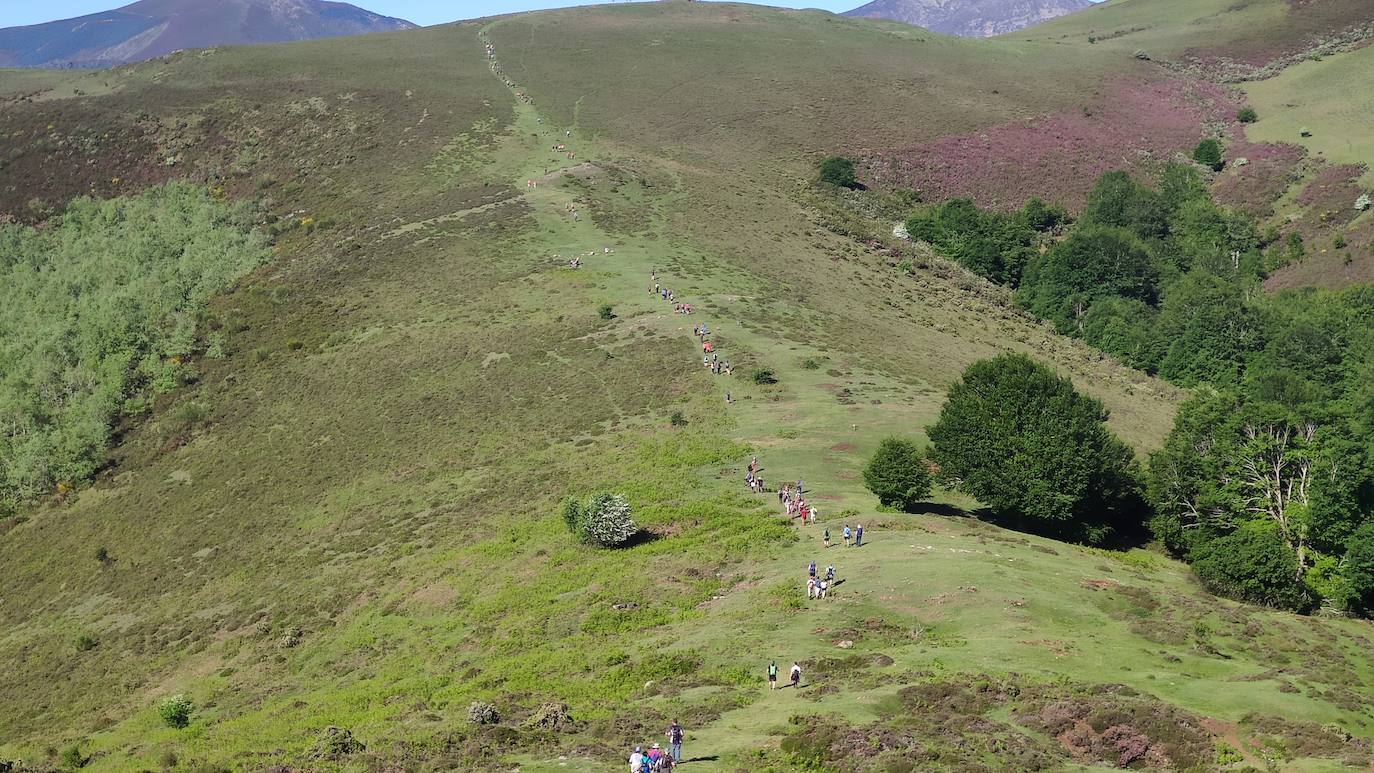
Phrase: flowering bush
(176, 711)
(606, 521)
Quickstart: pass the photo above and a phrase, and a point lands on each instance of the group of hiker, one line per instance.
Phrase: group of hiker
(657, 759)
(820, 587)
(710, 358)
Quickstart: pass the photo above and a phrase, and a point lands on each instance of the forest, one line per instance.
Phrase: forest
(1265, 484)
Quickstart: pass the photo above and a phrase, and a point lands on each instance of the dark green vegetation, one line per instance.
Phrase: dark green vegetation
(100, 313)
(897, 474)
(837, 171)
(1208, 153)
(359, 538)
(1022, 440)
(1268, 473)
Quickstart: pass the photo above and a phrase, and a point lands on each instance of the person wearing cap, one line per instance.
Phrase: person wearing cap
(636, 760)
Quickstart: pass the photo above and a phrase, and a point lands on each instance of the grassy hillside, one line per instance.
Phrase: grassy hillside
(365, 531)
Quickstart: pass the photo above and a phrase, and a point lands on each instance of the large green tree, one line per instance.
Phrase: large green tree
(1022, 440)
(1095, 263)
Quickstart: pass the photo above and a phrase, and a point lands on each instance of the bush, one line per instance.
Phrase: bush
(1247, 114)
(176, 711)
(482, 713)
(1339, 242)
(102, 555)
(897, 474)
(677, 419)
(1023, 441)
(86, 642)
(764, 377)
(838, 171)
(1208, 153)
(1253, 565)
(573, 514)
(189, 415)
(606, 521)
(605, 311)
(72, 758)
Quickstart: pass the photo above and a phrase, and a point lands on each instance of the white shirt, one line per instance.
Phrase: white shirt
(636, 762)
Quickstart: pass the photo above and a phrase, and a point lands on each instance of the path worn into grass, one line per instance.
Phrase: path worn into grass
(969, 598)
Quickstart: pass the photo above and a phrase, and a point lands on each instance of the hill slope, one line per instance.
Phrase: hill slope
(151, 28)
(969, 18)
(364, 531)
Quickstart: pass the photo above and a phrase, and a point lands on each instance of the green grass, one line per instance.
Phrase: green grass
(366, 532)
(1325, 96)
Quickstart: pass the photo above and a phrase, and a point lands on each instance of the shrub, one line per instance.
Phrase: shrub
(102, 555)
(336, 743)
(482, 713)
(1208, 153)
(838, 171)
(1338, 242)
(189, 415)
(573, 513)
(86, 642)
(1362, 203)
(176, 711)
(897, 474)
(1253, 565)
(677, 419)
(1247, 114)
(605, 311)
(764, 377)
(1142, 55)
(607, 521)
(1021, 439)
(72, 758)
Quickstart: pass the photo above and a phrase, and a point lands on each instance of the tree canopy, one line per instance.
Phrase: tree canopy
(1023, 441)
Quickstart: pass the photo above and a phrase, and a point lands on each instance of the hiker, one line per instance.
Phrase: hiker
(805, 513)
(846, 535)
(654, 753)
(859, 536)
(830, 573)
(821, 588)
(825, 538)
(796, 675)
(727, 402)
(636, 761)
(811, 570)
(772, 675)
(675, 741)
(811, 587)
(813, 515)
(800, 489)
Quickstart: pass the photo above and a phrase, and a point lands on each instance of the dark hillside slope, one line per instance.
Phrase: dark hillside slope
(151, 28)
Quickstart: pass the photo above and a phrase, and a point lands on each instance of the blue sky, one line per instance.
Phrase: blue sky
(14, 13)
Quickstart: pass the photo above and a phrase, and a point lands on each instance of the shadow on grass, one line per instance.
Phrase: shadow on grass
(641, 537)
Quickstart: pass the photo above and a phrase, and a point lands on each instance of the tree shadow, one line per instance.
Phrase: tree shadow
(708, 758)
(641, 537)
(936, 508)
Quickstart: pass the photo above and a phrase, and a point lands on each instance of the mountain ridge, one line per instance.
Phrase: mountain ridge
(151, 28)
(969, 18)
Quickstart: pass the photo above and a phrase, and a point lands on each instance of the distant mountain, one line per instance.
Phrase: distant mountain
(970, 18)
(151, 28)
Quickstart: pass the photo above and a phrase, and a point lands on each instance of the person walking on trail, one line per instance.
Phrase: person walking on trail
(830, 573)
(859, 536)
(811, 570)
(675, 741)
(846, 535)
(825, 538)
(772, 675)
(813, 515)
(821, 588)
(811, 587)
(796, 675)
(636, 761)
